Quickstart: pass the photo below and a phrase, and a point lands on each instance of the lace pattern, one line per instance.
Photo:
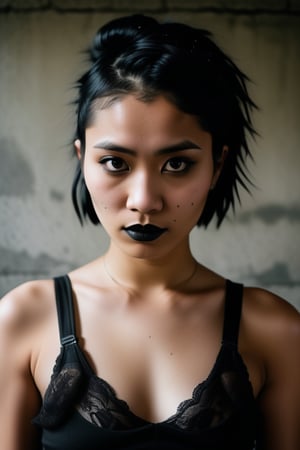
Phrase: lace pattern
(219, 398)
(212, 404)
(100, 406)
(66, 383)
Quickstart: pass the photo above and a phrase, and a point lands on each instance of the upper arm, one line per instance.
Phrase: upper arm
(20, 399)
(280, 398)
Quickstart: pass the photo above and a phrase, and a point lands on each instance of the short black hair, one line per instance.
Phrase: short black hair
(138, 55)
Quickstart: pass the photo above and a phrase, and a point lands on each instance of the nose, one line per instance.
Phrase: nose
(144, 193)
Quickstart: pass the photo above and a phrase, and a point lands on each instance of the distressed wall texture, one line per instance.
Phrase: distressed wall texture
(152, 5)
(40, 54)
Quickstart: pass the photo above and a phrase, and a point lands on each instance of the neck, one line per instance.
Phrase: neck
(136, 273)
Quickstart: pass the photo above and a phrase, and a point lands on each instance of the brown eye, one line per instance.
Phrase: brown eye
(177, 165)
(114, 164)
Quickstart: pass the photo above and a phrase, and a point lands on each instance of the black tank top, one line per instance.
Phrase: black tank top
(81, 411)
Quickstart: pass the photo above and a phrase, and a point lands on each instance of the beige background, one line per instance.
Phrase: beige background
(40, 54)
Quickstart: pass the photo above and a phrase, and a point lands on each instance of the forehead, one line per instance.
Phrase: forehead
(129, 116)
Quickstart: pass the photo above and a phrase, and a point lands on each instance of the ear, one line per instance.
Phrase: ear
(77, 146)
(219, 166)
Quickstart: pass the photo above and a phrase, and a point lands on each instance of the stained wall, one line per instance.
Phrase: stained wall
(41, 58)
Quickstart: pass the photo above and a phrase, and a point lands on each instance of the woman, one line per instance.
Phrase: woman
(153, 349)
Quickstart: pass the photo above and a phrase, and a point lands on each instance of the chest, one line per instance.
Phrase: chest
(152, 359)
(156, 365)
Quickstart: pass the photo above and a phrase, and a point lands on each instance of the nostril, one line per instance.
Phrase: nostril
(144, 201)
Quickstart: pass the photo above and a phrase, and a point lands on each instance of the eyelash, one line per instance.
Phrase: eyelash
(112, 159)
(188, 163)
(115, 159)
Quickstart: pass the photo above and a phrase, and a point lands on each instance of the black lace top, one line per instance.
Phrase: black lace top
(82, 412)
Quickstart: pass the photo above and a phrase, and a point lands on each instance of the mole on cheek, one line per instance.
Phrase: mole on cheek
(178, 206)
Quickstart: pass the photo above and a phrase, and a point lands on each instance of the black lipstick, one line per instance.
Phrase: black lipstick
(144, 233)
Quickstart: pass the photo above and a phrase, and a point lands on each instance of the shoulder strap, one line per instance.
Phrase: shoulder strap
(65, 310)
(232, 313)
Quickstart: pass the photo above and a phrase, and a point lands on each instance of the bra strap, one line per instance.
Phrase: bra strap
(232, 313)
(65, 310)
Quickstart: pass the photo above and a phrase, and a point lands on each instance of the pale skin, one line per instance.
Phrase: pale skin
(148, 163)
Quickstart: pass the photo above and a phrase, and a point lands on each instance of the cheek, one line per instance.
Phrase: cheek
(107, 199)
(192, 196)
(189, 203)
(98, 189)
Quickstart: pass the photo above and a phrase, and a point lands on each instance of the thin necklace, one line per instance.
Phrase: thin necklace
(195, 268)
(110, 275)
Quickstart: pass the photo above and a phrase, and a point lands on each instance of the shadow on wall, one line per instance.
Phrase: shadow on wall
(278, 274)
(270, 214)
(22, 263)
(14, 166)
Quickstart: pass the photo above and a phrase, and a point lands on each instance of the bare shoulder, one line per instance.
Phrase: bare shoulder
(24, 312)
(271, 329)
(274, 327)
(271, 312)
(24, 307)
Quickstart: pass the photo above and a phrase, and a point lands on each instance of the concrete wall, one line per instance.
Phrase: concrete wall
(40, 44)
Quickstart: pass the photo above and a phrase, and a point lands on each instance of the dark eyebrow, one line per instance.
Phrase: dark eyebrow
(184, 145)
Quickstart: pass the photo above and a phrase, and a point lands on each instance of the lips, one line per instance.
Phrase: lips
(144, 233)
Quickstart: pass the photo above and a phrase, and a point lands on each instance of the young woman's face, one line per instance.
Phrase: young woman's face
(148, 168)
